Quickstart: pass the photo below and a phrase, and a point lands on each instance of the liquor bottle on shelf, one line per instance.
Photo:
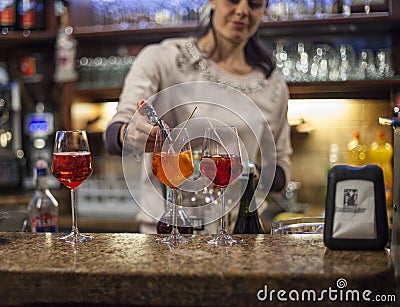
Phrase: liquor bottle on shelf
(356, 151)
(43, 207)
(248, 221)
(8, 15)
(40, 14)
(26, 14)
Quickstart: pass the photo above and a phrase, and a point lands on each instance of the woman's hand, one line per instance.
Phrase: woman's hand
(140, 134)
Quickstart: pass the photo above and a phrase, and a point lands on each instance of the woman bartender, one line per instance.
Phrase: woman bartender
(226, 50)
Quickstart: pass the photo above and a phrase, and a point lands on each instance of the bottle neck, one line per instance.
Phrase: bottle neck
(42, 180)
(247, 197)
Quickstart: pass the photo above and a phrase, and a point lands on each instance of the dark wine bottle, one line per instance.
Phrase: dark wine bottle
(248, 222)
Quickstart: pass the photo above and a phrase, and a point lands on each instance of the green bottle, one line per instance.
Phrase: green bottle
(248, 222)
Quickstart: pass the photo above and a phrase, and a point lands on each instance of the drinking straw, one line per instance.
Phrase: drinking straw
(217, 135)
(184, 126)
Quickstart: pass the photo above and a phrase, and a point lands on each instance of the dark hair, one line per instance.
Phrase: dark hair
(255, 52)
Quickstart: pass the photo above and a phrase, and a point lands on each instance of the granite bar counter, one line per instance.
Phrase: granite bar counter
(132, 269)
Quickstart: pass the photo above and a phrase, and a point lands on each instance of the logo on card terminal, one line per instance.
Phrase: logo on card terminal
(350, 202)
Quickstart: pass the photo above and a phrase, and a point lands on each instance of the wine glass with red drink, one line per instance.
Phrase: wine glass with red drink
(221, 163)
(72, 165)
(172, 164)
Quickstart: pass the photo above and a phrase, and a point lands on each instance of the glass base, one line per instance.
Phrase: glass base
(75, 237)
(175, 239)
(223, 238)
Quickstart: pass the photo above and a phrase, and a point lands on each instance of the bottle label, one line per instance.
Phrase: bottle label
(28, 69)
(7, 13)
(27, 13)
(198, 223)
(45, 222)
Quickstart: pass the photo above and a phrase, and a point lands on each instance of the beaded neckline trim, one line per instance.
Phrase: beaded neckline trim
(191, 55)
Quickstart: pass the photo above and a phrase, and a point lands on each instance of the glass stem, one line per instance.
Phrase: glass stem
(174, 197)
(74, 213)
(223, 220)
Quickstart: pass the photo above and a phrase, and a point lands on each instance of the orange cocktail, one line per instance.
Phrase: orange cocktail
(172, 169)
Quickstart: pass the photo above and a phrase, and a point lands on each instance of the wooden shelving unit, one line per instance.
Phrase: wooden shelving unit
(334, 24)
(13, 38)
(357, 89)
(332, 29)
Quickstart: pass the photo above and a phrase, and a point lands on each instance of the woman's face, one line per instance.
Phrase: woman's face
(237, 20)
